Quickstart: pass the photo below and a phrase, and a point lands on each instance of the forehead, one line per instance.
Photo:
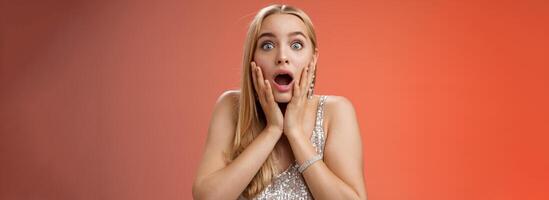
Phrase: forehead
(282, 24)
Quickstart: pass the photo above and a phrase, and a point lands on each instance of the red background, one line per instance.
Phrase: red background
(112, 99)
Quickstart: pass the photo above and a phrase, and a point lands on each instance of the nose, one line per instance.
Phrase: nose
(284, 60)
(281, 57)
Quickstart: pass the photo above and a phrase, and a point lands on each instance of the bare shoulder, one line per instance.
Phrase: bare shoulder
(220, 133)
(338, 102)
(223, 122)
(227, 103)
(338, 109)
(224, 119)
(343, 150)
(229, 97)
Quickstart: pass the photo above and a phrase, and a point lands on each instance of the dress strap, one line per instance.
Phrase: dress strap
(318, 138)
(320, 111)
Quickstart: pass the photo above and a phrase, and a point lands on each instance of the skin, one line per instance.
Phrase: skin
(290, 121)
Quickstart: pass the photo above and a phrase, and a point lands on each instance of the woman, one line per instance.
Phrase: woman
(275, 139)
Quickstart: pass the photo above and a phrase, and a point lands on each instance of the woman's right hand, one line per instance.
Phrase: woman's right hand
(263, 88)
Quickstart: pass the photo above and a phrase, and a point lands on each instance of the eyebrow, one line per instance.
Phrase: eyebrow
(269, 34)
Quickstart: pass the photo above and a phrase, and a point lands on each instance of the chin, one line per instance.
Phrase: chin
(283, 97)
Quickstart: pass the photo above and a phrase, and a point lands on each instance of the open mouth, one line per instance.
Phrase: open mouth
(283, 79)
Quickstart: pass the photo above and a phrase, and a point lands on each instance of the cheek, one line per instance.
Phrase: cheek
(267, 73)
(301, 65)
(262, 60)
(301, 60)
(265, 63)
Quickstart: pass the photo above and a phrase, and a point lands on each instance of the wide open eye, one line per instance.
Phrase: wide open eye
(267, 46)
(297, 45)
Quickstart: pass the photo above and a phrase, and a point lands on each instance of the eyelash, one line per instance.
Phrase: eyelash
(271, 43)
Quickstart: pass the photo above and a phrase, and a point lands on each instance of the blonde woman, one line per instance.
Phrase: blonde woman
(273, 138)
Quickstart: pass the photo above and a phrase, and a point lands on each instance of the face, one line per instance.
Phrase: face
(283, 51)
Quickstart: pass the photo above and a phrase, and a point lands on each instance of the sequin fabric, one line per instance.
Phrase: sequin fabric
(290, 183)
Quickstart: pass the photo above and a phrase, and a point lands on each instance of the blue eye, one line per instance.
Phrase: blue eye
(267, 46)
(297, 45)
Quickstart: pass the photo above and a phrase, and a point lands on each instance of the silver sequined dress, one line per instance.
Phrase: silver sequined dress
(290, 183)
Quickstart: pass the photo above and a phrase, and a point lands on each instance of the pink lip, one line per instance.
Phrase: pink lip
(283, 88)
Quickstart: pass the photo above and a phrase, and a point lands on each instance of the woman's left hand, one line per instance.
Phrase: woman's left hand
(295, 111)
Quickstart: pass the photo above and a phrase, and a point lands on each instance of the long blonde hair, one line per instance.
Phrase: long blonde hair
(251, 119)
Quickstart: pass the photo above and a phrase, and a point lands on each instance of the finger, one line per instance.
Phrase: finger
(258, 83)
(296, 92)
(260, 79)
(259, 86)
(254, 77)
(262, 85)
(312, 69)
(304, 79)
(310, 76)
(269, 91)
